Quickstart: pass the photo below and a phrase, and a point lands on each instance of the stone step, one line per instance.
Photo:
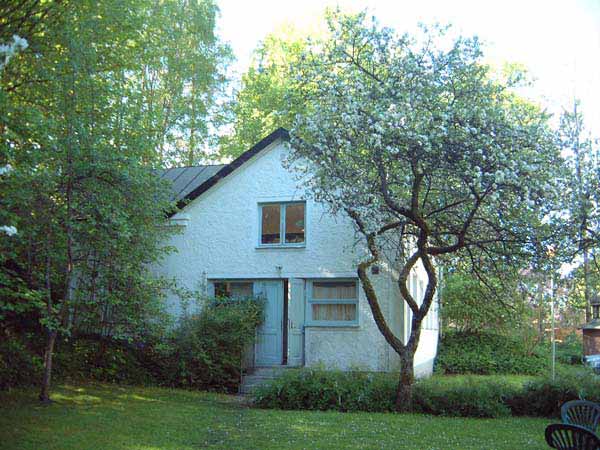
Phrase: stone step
(258, 377)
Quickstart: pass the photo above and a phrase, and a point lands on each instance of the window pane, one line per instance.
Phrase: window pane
(233, 289)
(294, 223)
(221, 289)
(270, 224)
(338, 312)
(334, 290)
(240, 289)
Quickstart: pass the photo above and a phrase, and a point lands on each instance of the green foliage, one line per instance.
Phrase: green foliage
(209, 347)
(19, 365)
(570, 350)
(464, 396)
(487, 353)
(498, 305)
(318, 389)
(544, 396)
(100, 359)
(265, 100)
(105, 93)
(204, 351)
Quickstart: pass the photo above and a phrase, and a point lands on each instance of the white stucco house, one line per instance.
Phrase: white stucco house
(249, 227)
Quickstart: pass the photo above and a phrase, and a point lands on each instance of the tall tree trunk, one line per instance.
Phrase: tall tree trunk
(45, 391)
(404, 391)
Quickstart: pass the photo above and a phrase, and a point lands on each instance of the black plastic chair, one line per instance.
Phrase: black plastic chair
(571, 437)
(581, 412)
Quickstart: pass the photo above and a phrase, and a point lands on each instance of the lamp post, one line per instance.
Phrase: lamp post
(552, 323)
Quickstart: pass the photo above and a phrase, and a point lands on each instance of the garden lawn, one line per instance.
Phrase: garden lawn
(113, 417)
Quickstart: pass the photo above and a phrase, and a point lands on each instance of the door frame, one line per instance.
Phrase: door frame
(285, 322)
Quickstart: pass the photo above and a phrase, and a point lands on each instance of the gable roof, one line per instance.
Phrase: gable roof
(188, 183)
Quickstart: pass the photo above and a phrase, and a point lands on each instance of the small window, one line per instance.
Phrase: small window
(333, 303)
(233, 289)
(282, 224)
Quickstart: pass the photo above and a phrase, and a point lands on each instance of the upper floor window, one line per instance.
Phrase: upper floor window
(282, 224)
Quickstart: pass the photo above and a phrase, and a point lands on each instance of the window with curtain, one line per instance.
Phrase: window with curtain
(333, 302)
(282, 224)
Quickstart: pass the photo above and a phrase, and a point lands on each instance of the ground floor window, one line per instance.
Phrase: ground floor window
(333, 302)
(233, 289)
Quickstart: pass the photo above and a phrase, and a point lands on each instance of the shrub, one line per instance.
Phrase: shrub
(317, 389)
(467, 396)
(570, 350)
(204, 351)
(19, 366)
(487, 354)
(209, 347)
(543, 396)
(100, 359)
(463, 396)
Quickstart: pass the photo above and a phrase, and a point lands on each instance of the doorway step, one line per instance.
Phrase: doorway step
(260, 376)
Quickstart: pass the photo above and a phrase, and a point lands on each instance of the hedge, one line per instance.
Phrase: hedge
(466, 396)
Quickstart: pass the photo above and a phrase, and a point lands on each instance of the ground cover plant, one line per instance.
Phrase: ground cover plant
(112, 417)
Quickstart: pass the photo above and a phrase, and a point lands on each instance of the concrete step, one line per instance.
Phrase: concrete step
(258, 377)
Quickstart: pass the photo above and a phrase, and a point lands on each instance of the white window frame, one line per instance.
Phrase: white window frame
(282, 212)
(312, 301)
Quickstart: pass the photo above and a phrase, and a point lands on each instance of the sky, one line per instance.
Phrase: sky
(558, 41)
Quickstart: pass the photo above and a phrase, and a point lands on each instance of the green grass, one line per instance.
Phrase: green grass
(112, 417)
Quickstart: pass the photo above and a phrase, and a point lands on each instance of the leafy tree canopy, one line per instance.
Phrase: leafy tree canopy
(428, 153)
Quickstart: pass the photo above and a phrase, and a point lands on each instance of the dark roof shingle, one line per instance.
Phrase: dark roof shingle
(185, 179)
(190, 182)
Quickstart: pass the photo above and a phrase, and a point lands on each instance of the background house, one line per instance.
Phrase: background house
(249, 228)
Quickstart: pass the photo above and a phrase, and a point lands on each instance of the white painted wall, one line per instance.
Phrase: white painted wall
(220, 241)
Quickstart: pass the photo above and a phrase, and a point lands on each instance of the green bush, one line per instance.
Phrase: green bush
(204, 351)
(570, 350)
(317, 389)
(209, 347)
(19, 366)
(100, 359)
(464, 396)
(486, 353)
(544, 396)
(467, 396)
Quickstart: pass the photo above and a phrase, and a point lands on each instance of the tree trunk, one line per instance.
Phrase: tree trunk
(45, 391)
(404, 392)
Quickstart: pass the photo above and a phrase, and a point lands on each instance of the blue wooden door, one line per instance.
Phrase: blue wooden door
(296, 323)
(269, 339)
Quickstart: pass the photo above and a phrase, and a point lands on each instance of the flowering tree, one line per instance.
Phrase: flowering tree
(428, 154)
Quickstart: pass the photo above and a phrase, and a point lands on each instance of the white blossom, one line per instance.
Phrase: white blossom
(10, 230)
